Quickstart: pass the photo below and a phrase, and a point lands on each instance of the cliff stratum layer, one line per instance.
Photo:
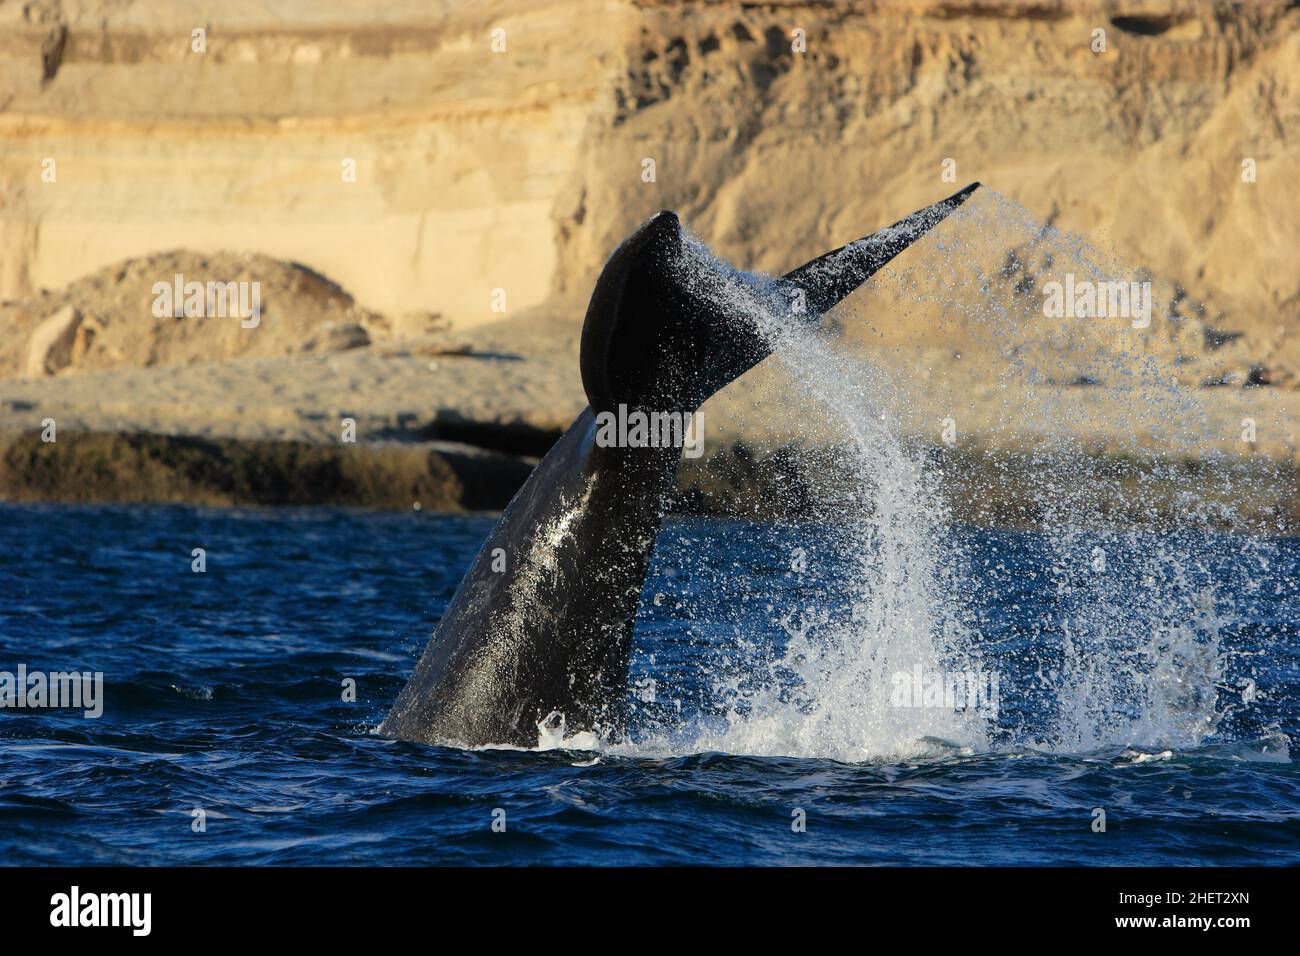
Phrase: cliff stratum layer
(478, 170)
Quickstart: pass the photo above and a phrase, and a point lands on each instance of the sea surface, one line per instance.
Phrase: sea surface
(770, 721)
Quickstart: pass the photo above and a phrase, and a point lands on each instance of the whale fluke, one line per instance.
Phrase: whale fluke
(651, 341)
(541, 626)
(829, 278)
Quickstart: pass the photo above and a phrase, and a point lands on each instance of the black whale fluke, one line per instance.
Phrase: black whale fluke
(540, 628)
(830, 277)
(652, 341)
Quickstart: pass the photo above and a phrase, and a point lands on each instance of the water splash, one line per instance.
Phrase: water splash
(1126, 648)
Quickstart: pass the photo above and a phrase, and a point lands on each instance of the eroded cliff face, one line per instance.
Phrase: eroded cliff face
(777, 130)
(774, 156)
(457, 151)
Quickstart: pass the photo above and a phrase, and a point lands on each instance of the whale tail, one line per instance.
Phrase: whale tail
(542, 622)
(652, 341)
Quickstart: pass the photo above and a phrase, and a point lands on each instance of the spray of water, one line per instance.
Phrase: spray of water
(1128, 650)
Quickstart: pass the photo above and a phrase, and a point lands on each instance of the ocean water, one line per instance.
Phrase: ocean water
(757, 690)
(875, 684)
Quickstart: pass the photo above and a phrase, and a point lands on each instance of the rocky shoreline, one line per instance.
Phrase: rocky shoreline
(987, 489)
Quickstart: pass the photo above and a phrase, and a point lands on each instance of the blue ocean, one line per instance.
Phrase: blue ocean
(798, 696)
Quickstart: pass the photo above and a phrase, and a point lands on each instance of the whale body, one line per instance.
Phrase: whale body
(539, 632)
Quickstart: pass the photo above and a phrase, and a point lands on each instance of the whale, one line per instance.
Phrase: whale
(538, 635)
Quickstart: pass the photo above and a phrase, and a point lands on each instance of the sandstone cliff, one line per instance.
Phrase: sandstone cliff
(517, 170)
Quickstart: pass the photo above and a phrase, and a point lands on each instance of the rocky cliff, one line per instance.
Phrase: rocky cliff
(506, 145)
